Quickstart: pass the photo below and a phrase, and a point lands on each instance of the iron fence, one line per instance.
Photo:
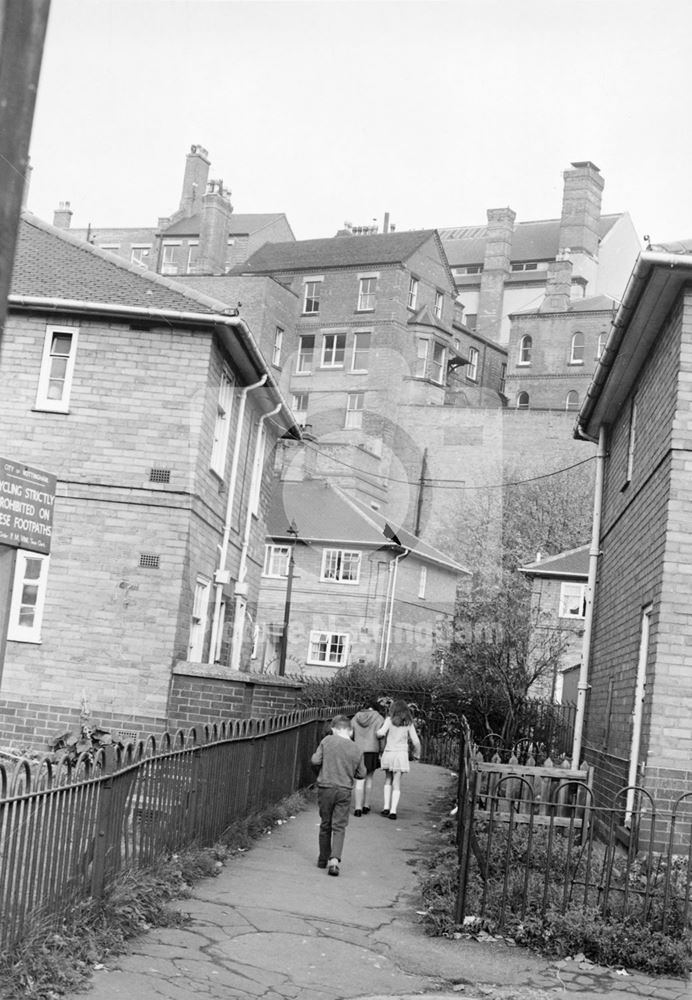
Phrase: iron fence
(521, 853)
(67, 829)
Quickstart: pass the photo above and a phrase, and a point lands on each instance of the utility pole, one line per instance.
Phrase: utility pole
(293, 531)
(22, 33)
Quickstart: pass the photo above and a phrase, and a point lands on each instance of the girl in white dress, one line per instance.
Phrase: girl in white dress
(398, 729)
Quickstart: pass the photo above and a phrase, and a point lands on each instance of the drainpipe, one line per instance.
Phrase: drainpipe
(241, 588)
(393, 568)
(594, 553)
(637, 713)
(221, 577)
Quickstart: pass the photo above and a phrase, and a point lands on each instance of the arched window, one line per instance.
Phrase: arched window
(572, 401)
(523, 401)
(602, 337)
(577, 354)
(525, 346)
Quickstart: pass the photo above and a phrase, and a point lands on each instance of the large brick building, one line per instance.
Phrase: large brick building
(155, 410)
(639, 627)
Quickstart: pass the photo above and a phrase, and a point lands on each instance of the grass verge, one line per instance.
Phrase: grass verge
(58, 958)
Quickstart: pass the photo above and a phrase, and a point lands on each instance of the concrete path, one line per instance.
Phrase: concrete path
(273, 926)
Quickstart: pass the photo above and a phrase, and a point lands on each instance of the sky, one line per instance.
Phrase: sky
(343, 110)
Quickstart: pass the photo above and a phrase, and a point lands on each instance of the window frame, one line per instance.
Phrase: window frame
(222, 424)
(525, 350)
(572, 393)
(16, 632)
(271, 556)
(343, 640)
(600, 345)
(312, 299)
(137, 258)
(338, 555)
(437, 360)
(521, 405)
(43, 401)
(335, 349)
(198, 618)
(170, 265)
(304, 356)
(354, 414)
(472, 366)
(366, 293)
(578, 591)
(412, 296)
(299, 411)
(278, 346)
(360, 351)
(438, 308)
(577, 348)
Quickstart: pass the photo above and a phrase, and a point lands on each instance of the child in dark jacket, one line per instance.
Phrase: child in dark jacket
(340, 762)
(365, 725)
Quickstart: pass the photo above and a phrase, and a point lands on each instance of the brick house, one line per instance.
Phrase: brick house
(203, 235)
(144, 400)
(361, 591)
(639, 629)
(558, 603)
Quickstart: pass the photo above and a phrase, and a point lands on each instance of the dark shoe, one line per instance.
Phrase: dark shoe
(321, 863)
(385, 812)
(366, 810)
(392, 815)
(333, 867)
(358, 812)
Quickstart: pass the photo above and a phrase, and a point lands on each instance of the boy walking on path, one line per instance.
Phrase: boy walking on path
(340, 762)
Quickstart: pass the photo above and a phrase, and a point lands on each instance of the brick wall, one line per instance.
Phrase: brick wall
(201, 693)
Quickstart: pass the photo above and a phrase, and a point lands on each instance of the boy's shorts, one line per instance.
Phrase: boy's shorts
(371, 761)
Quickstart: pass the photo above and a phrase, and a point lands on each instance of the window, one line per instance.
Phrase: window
(631, 440)
(299, 405)
(139, 253)
(471, 320)
(257, 470)
(198, 621)
(340, 566)
(602, 337)
(278, 341)
(28, 597)
(333, 350)
(422, 580)
(311, 296)
(430, 360)
(276, 560)
(192, 255)
(437, 362)
(111, 247)
(168, 262)
(366, 294)
(469, 269)
(525, 348)
(361, 349)
(572, 600)
(306, 350)
(222, 426)
(328, 647)
(422, 358)
(472, 367)
(412, 292)
(57, 369)
(572, 401)
(439, 303)
(354, 410)
(523, 401)
(531, 265)
(503, 378)
(576, 356)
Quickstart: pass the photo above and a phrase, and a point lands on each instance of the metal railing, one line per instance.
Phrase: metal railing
(523, 853)
(66, 830)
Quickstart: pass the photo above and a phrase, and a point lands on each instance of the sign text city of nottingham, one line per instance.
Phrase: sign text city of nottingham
(27, 498)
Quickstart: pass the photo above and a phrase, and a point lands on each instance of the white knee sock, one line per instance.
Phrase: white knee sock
(395, 800)
(387, 795)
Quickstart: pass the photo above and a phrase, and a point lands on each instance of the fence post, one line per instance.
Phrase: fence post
(103, 825)
(467, 809)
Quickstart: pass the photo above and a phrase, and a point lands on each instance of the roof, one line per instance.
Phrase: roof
(238, 225)
(324, 513)
(531, 240)
(592, 303)
(573, 563)
(654, 285)
(336, 251)
(53, 263)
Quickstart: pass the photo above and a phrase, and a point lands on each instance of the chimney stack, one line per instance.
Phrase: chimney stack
(496, 270)
(581, 214)
(194, 181)
(558, 286)
(62, 216)
(214, 227)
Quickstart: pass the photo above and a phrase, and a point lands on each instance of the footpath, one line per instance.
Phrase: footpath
(273, 926)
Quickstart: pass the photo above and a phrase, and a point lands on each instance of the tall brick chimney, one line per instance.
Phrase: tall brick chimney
(496, 269)
(581, 214)
(215, 224)
(558, 286)
(62, 215)
(194, 181)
